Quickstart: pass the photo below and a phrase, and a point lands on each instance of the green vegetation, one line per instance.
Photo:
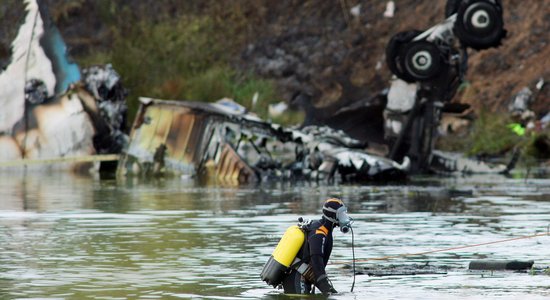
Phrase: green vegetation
(489, 135)
(184, 57)
(492, 135)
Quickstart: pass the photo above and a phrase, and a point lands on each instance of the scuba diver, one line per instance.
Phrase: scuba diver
(300, 258)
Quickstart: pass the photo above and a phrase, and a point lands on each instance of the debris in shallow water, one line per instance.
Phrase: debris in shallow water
(449, 163)
(38, 53)
(403, 270)
(489, 265)
(429, 269)
(48, 111)
(110, 96)
(211, 142)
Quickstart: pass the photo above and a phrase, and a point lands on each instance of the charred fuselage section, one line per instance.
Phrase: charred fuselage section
(215, 142)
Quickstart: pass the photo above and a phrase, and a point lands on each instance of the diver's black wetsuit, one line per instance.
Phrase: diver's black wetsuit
(316, 251)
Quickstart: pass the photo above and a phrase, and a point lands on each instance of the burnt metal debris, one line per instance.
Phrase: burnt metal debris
(53, 110)
(221, 142)
(403, 270)
(50, 110)
(109, 117)
(475, 266)
(429, 67)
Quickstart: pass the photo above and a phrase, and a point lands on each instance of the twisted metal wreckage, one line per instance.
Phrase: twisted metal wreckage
(222, 141)
(429, 66)
(53, 110)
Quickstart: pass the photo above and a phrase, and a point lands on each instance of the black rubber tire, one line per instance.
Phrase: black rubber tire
(422, 60)
(394, 53)
(479, 24)
(451, 7)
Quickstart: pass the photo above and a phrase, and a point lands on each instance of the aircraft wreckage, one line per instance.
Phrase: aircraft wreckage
(220, 140)
(198, 138)
(223, 142)
(52, 111)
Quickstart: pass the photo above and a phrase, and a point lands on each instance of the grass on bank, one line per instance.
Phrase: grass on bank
(184, 58)
(490, 136)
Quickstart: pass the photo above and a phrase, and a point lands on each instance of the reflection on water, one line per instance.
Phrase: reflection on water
(77, 237)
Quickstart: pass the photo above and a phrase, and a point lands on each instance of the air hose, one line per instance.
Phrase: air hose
(353, 261)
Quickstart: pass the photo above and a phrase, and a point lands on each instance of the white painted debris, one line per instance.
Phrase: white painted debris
(540, 84)
(277, 109)
(521, 102)
(401, 96)
(255, 98)
(28, 61)
(390, 9)
(48, 113)
(32, 60)
(229, 105)
(356, 10)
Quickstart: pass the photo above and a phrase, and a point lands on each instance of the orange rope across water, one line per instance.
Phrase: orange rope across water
(445, 249)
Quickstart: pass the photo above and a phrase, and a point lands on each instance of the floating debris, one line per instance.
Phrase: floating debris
(403, 270)
(490, 265)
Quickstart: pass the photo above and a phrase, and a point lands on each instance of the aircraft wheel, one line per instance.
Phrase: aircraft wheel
(479, 24)
(395, 55)
(422, 60)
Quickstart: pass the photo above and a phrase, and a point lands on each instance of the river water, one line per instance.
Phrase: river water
(69, 237)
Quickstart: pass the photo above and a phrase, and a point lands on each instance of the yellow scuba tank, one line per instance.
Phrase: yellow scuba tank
(283, 256)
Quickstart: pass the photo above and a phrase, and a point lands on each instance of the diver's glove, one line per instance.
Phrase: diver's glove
(325, 286)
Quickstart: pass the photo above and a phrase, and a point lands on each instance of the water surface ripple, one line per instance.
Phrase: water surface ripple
(67, 237)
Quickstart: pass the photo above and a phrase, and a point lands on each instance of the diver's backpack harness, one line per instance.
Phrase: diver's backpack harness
(302, 265)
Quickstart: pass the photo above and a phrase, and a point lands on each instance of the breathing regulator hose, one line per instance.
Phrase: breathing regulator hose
(353, 261)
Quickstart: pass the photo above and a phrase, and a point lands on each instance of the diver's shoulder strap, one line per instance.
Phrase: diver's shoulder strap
(307, 226)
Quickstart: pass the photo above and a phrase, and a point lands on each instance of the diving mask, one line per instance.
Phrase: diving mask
(344, 220)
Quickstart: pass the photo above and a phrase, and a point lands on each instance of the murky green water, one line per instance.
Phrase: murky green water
(66, 237)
